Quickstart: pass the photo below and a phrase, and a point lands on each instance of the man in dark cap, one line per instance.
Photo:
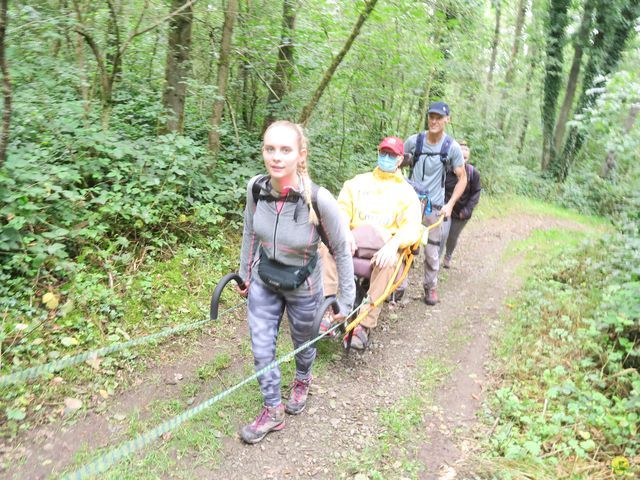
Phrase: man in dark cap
(430, 154)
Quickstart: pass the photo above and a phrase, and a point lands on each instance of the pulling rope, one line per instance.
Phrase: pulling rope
(51, 367)
(113, 456)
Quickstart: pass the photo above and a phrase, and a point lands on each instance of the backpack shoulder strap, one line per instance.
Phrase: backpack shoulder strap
(418, 151)
(446, 146)
(314, 202)
(257, 187)
(419, 144)
(444, 155)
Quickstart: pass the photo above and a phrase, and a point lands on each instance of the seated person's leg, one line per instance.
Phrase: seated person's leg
(379, 280)
(329, 271)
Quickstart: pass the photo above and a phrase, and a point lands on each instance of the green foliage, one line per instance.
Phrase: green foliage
(561, 405)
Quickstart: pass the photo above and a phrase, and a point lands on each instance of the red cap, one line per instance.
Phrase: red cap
(393, 144)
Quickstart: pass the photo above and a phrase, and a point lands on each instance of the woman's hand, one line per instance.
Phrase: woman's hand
(353, 246)
(243, 290)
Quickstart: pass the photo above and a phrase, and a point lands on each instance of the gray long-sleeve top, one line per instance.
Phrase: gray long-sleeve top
(290, 238)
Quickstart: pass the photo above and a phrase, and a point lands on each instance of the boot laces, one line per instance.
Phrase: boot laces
(299, 389)
(263, 418)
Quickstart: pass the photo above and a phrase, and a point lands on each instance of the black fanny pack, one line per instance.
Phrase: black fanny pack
(283, 277)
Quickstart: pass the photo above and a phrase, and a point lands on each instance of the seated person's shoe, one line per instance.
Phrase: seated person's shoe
(326, 324)
(396, 296)
(360, 339)
(270, 419)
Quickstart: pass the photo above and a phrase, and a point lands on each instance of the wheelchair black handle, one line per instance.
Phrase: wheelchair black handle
(328, 302)
(215, 298)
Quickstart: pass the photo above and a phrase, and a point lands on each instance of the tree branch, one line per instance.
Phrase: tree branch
(97, 54)
(137, 33)
(114, 19)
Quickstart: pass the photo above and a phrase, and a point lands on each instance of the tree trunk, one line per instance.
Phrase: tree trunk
(6, 84)
(426, 94)
(495, 42)
(555, 31)
(178, 67)
(244, 76)
(582, 39)
(284, 65)
(113, 54)
(533, 61)
(84, 81)
(492, 62)
(610, 163)
(103, 74)
(308, 109)
(523, 5)
(223, 75)
(57, 43)
(424, 104)
(152, 58)
(436, 83)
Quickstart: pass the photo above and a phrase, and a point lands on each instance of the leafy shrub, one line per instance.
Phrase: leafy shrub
(560, 404)
(103, 195)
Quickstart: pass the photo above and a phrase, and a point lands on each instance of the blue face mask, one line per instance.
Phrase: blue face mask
(387, 162)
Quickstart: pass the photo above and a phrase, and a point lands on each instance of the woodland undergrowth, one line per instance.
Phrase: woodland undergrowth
(567, 397)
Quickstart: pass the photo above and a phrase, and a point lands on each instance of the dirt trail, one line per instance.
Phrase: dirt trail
(341, 419)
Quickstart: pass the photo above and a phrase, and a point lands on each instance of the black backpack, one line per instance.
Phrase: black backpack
(256, 188)
(444, 154)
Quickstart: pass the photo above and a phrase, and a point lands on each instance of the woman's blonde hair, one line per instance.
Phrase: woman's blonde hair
(303, 171)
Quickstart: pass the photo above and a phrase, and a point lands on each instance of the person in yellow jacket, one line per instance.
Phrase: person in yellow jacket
(383, 201)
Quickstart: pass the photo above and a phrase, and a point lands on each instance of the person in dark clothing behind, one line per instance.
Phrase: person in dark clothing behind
(463, 208)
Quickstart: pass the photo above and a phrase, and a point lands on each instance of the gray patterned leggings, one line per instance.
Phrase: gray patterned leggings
(265, 314)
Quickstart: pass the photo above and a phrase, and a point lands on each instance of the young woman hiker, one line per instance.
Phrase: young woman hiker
(281, 268)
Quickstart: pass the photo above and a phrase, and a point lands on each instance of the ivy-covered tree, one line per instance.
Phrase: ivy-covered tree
(580, 43)
(615, 23)
(6, 83)
(177, 66)
(555, 27)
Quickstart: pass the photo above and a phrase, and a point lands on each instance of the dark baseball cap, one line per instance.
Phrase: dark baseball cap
(439, 108)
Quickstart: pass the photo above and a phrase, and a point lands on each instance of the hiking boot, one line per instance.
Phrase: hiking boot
(326, 324)
(430, 296)
(298, 398)
(396, 296)
(360, 339)
(270, 419)
(446, 263)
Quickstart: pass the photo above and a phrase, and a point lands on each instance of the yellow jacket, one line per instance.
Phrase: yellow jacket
(385, 200)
